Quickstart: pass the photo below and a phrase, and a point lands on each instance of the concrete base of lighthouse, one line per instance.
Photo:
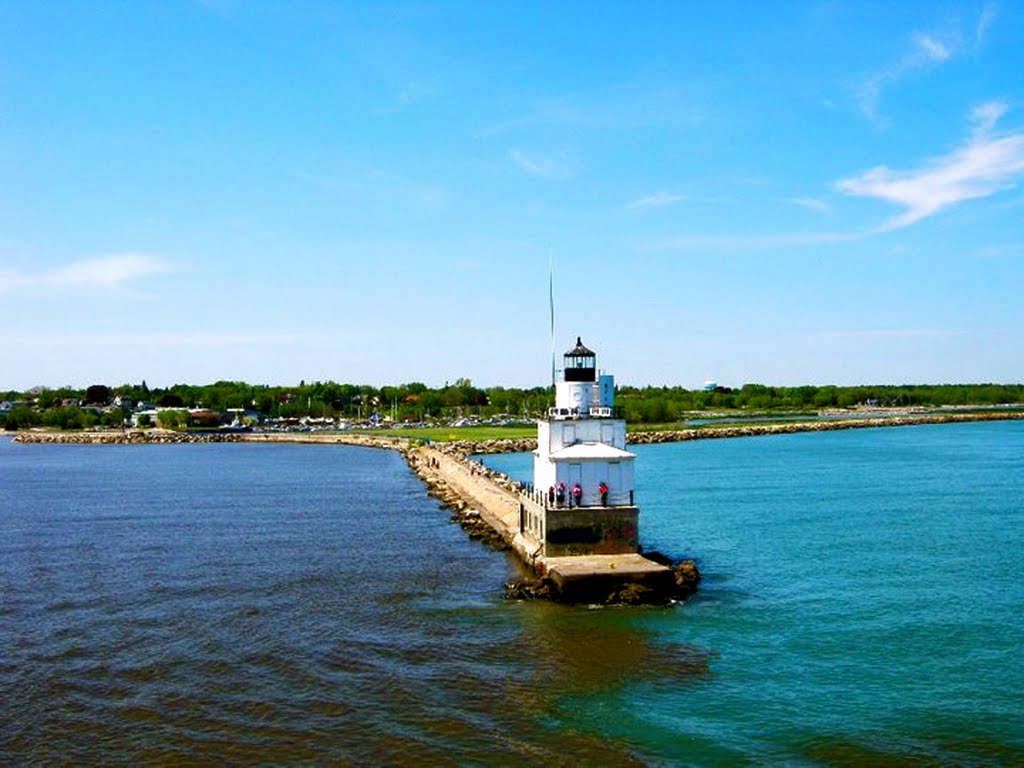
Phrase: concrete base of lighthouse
(587, 553)
(591, 578)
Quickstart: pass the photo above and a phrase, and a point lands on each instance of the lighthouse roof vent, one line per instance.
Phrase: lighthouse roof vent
(579, 350)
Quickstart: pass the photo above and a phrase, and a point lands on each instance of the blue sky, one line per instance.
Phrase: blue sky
(783, 193)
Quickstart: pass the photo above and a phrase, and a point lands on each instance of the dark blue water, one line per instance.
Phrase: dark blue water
(862, 603)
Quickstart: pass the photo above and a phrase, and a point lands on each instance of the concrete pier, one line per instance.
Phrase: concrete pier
(627, 577)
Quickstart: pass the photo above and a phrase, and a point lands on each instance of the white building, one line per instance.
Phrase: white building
(582, 501)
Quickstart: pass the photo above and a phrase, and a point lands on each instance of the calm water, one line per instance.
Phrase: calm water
(863, 603)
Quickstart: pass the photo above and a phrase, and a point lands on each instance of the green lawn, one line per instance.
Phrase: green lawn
(448, 434)
(479, 434)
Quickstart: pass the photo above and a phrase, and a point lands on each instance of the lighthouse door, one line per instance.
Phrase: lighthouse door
(618, 494)
(575, 475)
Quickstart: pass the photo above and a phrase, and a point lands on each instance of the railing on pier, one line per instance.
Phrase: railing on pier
(544, 500)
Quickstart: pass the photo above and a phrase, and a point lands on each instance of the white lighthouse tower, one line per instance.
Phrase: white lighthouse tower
(582, 500)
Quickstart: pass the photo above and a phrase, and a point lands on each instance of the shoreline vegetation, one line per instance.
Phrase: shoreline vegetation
(469, 440)
(329, 405)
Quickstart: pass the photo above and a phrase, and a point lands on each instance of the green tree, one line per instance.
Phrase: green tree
(98, 394)
(20, 417)
(172, 419)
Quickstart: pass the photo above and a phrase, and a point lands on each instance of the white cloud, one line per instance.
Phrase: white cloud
(988, 15)
(1014, 251)
(752, 242)
(612, 108)
(111, 271)
(925, 52)
(982, 167)
(985, 116)
(892, 333)
(811, 203)
(538, 164)
(930, 49)
(190, 339)
(657, 200)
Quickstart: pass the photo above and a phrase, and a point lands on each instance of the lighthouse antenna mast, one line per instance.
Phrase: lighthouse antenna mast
(551, 306)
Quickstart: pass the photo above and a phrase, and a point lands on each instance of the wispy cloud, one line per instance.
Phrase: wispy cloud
(611, 108)
(931, 49)
(657, 200)
(165, 340)
(752, 242)
(1014, 251)
(812, 204)
(409, 94)
(988, 15)
(542, 165)
(892, 333)
(926, 51)
(413, 92)
(985, 116)
(112, 271)
(982, 167)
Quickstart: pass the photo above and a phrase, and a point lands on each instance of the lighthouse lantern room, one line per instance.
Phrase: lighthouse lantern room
(582, 500)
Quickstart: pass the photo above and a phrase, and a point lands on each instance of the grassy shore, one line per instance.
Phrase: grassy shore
(452, 434)
(724, 421)
(489, 439)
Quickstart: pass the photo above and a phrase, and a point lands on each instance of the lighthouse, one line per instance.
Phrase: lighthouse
(582, 499)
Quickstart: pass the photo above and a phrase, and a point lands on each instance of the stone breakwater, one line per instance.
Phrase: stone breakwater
(170, 437)
(463, 448)
(440, 477)
(526, 445)
(829, 425)
(134, 437)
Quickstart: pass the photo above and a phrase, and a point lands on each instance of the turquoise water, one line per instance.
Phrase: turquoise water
(278, 604)
(863, 597)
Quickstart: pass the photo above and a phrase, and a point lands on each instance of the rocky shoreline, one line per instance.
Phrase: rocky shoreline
(131, 436)
(686, 579)
(829, 425)
(462, 512)
(525, 445)
(464, 448)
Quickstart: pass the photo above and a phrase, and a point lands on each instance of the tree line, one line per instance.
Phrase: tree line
(69, 408)
(666, 404)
